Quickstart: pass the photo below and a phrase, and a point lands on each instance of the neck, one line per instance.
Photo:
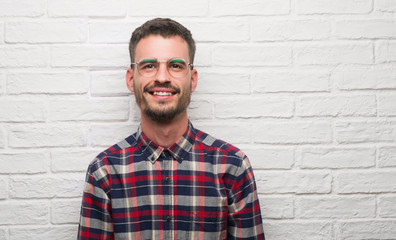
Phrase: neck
(165, 133)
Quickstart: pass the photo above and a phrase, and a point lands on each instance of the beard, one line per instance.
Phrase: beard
(165, 111)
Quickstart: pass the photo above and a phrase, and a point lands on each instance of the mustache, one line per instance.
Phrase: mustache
(161, 85)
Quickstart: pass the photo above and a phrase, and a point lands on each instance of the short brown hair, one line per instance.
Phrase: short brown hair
(164, 27)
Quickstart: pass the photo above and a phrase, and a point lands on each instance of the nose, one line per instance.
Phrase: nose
(162, 72)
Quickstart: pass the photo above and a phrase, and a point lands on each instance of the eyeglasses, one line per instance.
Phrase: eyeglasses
(176, 67)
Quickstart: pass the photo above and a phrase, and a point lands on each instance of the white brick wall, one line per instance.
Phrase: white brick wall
(307, 88)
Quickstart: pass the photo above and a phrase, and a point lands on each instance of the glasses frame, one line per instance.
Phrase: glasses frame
(189, 66)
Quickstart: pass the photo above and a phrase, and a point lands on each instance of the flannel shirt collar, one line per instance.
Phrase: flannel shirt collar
(179, 150)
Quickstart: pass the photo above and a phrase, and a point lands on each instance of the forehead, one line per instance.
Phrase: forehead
(156, 46)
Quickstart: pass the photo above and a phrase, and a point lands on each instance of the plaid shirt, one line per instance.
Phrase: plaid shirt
(199, 188)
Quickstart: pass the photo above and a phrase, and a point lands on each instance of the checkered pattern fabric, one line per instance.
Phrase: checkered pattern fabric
(199, 188)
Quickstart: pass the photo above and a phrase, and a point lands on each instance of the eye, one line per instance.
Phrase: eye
(177, 66)
(174, 65)
(147, 66)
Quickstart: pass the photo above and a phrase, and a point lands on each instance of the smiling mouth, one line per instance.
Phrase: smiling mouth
(162, 93)
(162, 90)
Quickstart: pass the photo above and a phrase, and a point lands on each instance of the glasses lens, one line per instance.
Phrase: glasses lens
(148, 67)
(177, 68)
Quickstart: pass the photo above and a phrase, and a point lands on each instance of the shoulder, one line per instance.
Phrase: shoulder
(111, 155)
(218, 144)
(222, 149)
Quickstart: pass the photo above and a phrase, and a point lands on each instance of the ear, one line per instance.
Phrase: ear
(194, 79)
(129, 79)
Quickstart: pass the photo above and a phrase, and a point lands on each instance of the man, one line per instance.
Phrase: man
(168, 180)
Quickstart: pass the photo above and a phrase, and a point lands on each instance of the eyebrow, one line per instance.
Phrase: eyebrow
(177, 61)
(149, 60)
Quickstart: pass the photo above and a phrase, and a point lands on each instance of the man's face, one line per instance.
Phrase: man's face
(162, 96)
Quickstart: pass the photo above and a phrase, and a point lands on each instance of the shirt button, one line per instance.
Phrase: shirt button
(168, 218)
(167, 179)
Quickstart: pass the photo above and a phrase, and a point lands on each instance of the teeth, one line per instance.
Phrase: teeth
(162, 93)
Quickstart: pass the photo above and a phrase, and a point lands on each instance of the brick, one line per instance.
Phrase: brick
(223, 83)
(387, 157)
(269, 182)
(3, 188)
(17, 163)
(249, 7)
(2, 137)
(369, 29)
(335, 207)
(46, 135)
(292, 132)
(291, 81)
(385, 5)
(178, 8)
(22, 111)
(337, 157)
(14, 213)
(21, 56)
(368, 131)
(219, 31)
(333, 53)
(89, 109)
(365, 182)
(90, 56)
(385, 51)
(203, 57)
(386, 206)
(335, 106)
(270, 158)
(47, 187)
(251, 55)
(106, 135)
(65, 211)
(366, 229)
(356, 78)
(31, 8)
(386, 105)
(231, 132)
(286, 30)
(3, 234)
(66, 83)
(232, 107)
(2, 83)
(112, 31)
(297, 230)
(333, 6)
(200, 109)
(64, 232)
(108, 83)
(72, 160)
(2, 31)
(86, 8)
(277, 207)
(46, 32)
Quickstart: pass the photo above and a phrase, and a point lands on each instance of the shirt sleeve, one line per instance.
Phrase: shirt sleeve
(244, 214)
(95, 217)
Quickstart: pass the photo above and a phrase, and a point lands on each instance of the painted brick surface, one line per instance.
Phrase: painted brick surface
(23, 56)
(306, 88)
(46, 32)
(67, 82)
(34, 8)
(86, 8)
